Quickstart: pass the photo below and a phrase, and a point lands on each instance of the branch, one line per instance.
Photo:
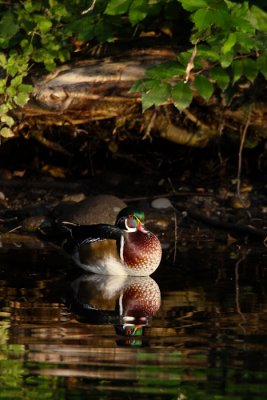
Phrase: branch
(241, 147)
(51, 145)
(90, 8)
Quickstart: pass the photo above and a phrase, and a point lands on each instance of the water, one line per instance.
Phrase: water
(198, 330)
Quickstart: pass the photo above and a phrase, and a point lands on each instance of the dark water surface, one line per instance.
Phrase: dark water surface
(64, 335)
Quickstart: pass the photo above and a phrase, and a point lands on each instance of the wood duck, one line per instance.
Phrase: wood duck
(125, 248)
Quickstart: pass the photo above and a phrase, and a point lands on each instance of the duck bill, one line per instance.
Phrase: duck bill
(141, 227)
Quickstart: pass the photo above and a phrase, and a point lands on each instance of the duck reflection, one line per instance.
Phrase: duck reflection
(128, 303)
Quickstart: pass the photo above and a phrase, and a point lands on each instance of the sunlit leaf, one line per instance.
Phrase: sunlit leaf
(203, 86)
(11, 91)
(16, 81)
(3, 60)
(181, 95)
(21, 99)
(203, 18)
(226, 59)
(117, 7)
(25, 88)
(2, 86)
(6, 119)
(138, 11)
(229, 43)
(4, 108)
(258, 18)
(191, 5)
(44, 25)
(6, 132)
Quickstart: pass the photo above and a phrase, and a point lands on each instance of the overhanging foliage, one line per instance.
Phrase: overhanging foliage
(226, 43)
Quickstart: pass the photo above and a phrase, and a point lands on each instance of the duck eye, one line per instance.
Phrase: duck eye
(131, 221)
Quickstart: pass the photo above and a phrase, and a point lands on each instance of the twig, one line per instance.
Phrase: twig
(51, 145)
(195, 120)
(239, 170)
(239, 228)
(90, 8)
(168, 194)
(150, 126)
(190, 64)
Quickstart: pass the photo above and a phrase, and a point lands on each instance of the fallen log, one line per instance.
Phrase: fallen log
(99, 89)
(93, 89)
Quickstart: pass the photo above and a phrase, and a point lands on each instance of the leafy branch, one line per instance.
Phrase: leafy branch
(227, 44)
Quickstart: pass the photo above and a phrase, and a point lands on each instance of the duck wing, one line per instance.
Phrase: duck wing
(83, 234)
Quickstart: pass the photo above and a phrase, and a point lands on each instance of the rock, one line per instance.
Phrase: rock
(161, 203)
(35, 223)
(92, 210)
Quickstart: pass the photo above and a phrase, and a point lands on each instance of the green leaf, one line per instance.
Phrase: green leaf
(229, 43)
(181, 95)
(8, 26)
(6, 119)
(192, 5)
(166, 70)
(21, 99)
(3, 60)
(226, 59)
(207, 53)
(203, 86)
(16, 81)
(28, 6)
(258, 18)
(58, 9)
(158, 93)
(117, 7)
(2, 86)
(245, 67)
(138, 86)
(245, 42)
(222, 19)
(4, 108)
(220, 76)
(262, 64)
(11, 91)
(203, 18)
(6, 132)
(184, 57)
(84, 27)
(25, 88)
(138, 11)
(44, 25)
(49, 63)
